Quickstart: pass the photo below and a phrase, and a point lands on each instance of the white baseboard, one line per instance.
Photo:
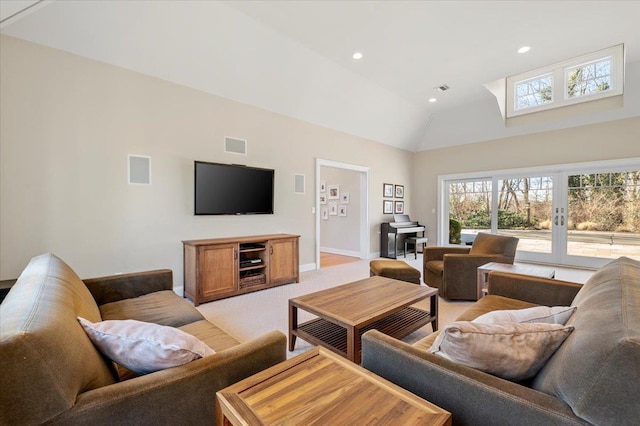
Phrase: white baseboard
(308, 267)
(340, 252)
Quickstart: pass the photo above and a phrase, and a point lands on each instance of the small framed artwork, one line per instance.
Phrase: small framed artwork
(387, 207)
(333, 209)
(323, 198)
(399, 207)
(325, 214)
(399, 191)
(323, 186)
(344, 198)
(342, 210)
(334, 192)
(387, 190)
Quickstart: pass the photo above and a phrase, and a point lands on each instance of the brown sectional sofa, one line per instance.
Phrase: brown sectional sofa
(593, 378)
(50, 372)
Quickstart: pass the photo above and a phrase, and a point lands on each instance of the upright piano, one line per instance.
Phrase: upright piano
(393, 234)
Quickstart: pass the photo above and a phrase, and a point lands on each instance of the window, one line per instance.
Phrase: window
(589, 77)
(534, 92)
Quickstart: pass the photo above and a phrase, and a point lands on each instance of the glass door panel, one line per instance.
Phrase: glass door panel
(469, 210)
(525, 211)
(603, 216)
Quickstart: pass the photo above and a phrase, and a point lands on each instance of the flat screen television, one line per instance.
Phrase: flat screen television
(230, 189)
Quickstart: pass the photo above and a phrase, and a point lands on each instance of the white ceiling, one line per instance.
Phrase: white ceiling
(294, 57)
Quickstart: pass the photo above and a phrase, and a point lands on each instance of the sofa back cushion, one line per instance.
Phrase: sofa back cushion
(488, 244)
(47, 359)
(597, 368)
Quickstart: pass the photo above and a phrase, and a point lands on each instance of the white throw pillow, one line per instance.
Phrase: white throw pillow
(144, 347)
(512, 351)
(544, 314)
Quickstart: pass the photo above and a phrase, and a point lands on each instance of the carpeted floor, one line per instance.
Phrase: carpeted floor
(251, 315)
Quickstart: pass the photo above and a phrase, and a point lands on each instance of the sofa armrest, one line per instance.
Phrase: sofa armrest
(126, 286)
(184, 395)
(538, 290)
(437, 253)
(471, 396)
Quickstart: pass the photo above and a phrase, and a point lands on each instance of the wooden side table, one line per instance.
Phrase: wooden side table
(319, 387)
(519, 268)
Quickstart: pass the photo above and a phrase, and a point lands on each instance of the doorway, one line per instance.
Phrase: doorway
(344, 207)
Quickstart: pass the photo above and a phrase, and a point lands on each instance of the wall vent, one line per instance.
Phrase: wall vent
(235, 145)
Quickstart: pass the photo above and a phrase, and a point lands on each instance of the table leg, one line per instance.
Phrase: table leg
(434, 312)
(293, 325)
(352, 335)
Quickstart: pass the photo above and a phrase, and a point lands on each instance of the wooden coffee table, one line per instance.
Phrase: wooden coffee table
(319, 387)
(347, 311)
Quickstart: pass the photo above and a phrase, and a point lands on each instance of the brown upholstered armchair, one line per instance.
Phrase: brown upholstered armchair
(453, 270)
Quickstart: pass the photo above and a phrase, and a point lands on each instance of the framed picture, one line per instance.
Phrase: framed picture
(334, 192)
(387, 190)
(344, 198)
(323, 186)
(325, 214)
(333, 209)
(399, 207)
(399, 191)
(342, 210)
(323, 198)
(387, 207)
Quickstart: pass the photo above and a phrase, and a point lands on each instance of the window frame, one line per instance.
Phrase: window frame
(559, 97)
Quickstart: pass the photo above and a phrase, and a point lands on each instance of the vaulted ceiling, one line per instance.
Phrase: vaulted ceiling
(295, 57)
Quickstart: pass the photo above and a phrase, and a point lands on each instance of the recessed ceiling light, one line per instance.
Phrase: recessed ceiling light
(357, 55)
(432, 100)
(524, 49)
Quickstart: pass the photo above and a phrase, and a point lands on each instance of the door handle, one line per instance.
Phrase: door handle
(555, 221)
(562, 220)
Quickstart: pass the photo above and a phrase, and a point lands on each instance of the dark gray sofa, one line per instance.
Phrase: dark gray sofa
(50, 372)
(593, 378)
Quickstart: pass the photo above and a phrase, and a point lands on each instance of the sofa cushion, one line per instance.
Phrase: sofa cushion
(435, 266)
(488, 303)
(539, 314)
(160, 307)
(596, 370)
(210, 334)
(514, 351)
(47, 359)
(144, 347)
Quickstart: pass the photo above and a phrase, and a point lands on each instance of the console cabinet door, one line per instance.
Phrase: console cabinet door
(218, 274)
(283, 261)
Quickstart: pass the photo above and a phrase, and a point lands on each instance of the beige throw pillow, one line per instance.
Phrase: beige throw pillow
(512, 351)
(144, 347)
(544, 314)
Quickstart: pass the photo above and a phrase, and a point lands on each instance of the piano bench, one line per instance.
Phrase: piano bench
(396, 269)
(415, 241)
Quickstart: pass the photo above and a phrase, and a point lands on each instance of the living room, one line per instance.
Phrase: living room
(70, 119)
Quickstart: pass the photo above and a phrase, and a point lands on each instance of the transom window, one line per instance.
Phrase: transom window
(587, 78)
(534, 92)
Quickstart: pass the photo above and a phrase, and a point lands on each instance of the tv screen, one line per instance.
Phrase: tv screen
(232, 189)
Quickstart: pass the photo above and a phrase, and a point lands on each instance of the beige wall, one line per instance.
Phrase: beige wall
(67, 126)
(341, 234)
(604, 141)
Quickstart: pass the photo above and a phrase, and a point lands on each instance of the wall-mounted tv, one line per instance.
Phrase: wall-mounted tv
(230, 189)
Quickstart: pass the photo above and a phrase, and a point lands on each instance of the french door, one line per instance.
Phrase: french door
(581, 215)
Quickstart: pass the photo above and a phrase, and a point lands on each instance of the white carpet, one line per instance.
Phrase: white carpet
(251, 315)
